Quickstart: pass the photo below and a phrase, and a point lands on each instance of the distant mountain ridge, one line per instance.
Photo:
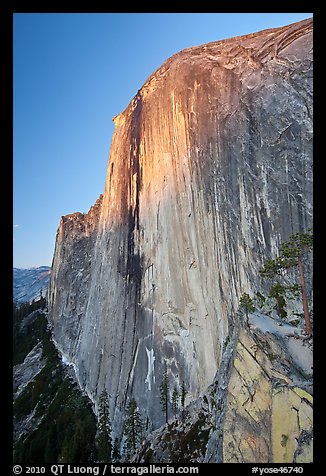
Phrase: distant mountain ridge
(29, 283)
(210, 171)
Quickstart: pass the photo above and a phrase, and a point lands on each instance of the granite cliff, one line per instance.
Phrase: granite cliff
(210, 169)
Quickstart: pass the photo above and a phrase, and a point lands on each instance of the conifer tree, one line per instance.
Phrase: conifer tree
(278, 291)
(183, 394)
(291, 255)
(116, 451)
(133, 426)
(164, 391)
(246, 304)
(104, 441)
(175, 401)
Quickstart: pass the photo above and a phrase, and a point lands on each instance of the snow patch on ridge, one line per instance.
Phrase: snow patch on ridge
(294, 341)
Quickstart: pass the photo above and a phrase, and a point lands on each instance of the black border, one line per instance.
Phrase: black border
(7, 10)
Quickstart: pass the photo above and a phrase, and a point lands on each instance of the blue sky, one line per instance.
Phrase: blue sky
(72, 74)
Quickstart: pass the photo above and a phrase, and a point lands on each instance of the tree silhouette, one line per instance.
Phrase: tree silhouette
(277, 291)
(133, 425)
(291, 255)
(183, 394)
(104, 441)
(164, 391)
(116, 451)
(175, 401)
(246, 304)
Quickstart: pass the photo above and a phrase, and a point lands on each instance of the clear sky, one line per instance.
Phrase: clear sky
(72, 74)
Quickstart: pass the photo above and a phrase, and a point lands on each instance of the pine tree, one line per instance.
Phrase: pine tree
(291, 255)
(246, 304)
(104, 441)
(183, 394)
(278, 291)
(175, 401)
(164, 391)
(116, 451)
(133, 426)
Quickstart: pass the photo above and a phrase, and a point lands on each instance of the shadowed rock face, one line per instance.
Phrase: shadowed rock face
(209, 171)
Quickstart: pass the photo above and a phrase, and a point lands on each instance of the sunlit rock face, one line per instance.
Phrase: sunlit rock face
(269, 413)
(209, 171)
